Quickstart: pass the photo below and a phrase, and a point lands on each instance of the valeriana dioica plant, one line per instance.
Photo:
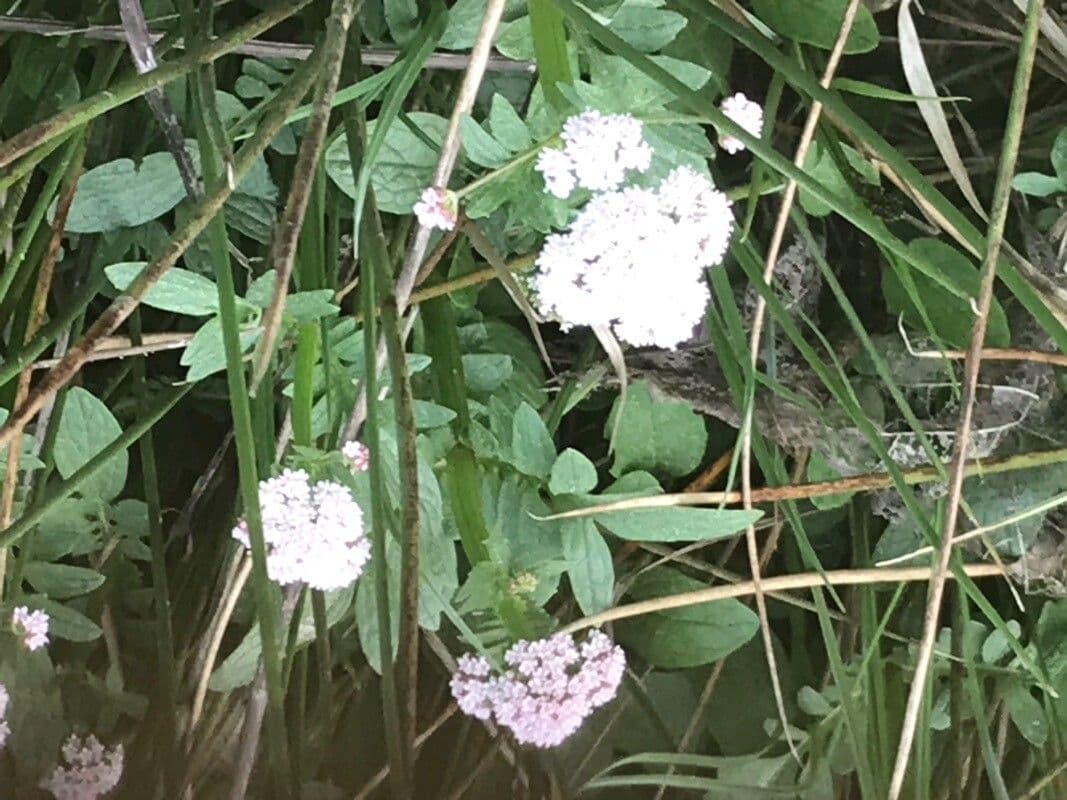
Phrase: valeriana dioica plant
(471, 286)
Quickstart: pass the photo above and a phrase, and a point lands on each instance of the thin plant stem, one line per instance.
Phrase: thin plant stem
(773, 249)
(998, 217)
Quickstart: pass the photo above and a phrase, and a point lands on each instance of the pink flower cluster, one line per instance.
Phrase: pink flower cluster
(91, 770)
(32, 626)
(550, 687)
(357, 454)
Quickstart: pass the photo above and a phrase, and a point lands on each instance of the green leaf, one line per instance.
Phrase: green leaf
(1058, 156)
(367, 615)
(311, 306)
(680, 524)
(647, 28)
(1026, 712)
(85, 428)
(1037, 184)
(122, 194)
(179, 290)
(819, 470)
(64, 622)
(464, 21)
(684, 637)
(631, 90)
(589, 565)
(952, 316)
(481, 148)
(61, 581)
(816, 22)
(432, 415)
(506, 125)
(532, 450)
(661, 437)
(402, 17)
(486, 371)
(239, 667)
(572, 473)
(206, 354)
(404, 167)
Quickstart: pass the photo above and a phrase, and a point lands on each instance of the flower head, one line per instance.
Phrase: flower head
(550, 687)
(313, 532)
(5, 729)
(557, 169)
(746, 113)
(358, 455)
(91, 770)
(634, 260)
(437, 208)
(598, 151)
(32, 626)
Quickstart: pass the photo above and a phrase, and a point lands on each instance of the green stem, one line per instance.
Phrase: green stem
(307, 351)
(165, 666)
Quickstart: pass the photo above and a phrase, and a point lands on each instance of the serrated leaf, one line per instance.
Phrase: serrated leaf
(404, 167)
(677, 524)
(660, 437)
(816, 22)
(572, 473)
(532, 450)
(179, 290)
(85, 428)
(589, 565)
(684, 637)
(61, 581)
(507, 126)
(480, 147)
(122, 194)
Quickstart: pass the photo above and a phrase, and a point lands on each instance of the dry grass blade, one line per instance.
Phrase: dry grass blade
(933, 113)
(779, 583)
(773, 249)
(1001, 200)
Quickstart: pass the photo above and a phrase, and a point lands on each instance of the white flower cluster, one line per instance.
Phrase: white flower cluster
(437, 208)
(5, 728)
(746, 113)
(550, 687)
(313, 532)
(598, 150)
(32, 626)
(634, 260)
(91, 770)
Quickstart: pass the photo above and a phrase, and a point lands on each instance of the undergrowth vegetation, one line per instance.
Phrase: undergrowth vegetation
(533, 398)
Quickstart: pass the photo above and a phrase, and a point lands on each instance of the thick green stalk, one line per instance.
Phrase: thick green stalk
(408, 650)
(307, 352)
(133, 87)
(166, 671)
(268, 605)
(374, 271)
(462, 474)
